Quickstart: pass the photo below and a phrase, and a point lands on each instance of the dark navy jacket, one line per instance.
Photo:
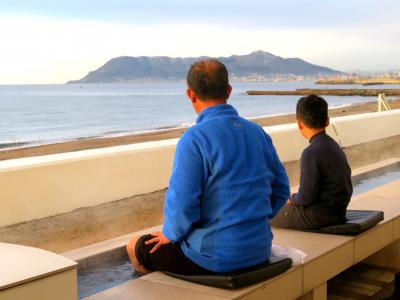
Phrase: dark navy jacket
(325, 179)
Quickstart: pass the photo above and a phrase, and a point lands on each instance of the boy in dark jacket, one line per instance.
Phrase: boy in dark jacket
(325, 176)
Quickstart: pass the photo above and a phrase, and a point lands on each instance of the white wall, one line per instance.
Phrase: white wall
(289, 142)
(37, 187)
(363, 128)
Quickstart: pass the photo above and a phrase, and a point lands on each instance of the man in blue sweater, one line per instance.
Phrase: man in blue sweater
(227, 182)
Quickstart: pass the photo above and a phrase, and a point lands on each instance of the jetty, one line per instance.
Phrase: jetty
(331, 92)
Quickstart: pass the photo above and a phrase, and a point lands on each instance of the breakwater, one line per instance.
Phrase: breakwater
(332, 92)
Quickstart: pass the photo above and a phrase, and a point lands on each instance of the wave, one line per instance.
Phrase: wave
(13, 145)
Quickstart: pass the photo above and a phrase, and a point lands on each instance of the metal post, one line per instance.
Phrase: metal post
(382, 102)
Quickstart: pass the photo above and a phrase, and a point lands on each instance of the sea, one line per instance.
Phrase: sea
(43, 114)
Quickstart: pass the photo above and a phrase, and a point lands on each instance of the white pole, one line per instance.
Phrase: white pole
(380, 102)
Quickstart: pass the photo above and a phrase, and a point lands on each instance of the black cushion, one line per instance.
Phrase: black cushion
(357, 222)
(241, 278)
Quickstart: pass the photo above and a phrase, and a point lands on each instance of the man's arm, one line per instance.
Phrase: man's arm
(182, 202)
(280, 185)
(309, 178)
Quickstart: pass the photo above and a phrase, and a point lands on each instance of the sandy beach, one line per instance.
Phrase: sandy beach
(92, 143)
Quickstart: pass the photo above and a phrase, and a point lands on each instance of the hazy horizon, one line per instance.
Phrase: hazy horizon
(48, 42)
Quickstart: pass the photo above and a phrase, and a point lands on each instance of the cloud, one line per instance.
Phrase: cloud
(53, 50)
(275, 14)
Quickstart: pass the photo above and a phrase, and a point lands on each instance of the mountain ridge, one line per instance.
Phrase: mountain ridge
(164, 68)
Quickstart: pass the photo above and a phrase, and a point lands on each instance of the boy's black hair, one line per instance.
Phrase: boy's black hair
(313, 111)
(208, 79)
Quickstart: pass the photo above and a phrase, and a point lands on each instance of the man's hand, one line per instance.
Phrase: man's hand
(158, 238)
(290, 201)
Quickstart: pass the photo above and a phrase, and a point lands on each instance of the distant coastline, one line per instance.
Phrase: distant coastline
(332, 92)
(363, 81)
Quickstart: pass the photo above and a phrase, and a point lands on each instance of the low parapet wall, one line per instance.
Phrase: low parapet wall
(364, 128)
(38, 187)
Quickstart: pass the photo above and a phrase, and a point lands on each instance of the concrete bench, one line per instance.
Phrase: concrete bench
(32, 273)
(328, 255)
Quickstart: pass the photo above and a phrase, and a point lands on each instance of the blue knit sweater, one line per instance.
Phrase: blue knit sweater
(227, 182)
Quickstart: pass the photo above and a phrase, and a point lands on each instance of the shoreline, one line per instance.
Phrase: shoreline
(163, 134)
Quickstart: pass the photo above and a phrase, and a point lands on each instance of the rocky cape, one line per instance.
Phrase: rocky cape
(255, 65)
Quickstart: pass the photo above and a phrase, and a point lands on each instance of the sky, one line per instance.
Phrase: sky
(60, 40)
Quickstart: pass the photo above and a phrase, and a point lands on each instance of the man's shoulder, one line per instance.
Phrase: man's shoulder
(189, 133)
(251, 125)
(209, 128)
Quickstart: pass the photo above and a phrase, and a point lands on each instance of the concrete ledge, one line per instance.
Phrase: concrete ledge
(143, 289)
(373, 168)
(20, 264)
(270, 289)
(374, 240)
(363, 128)
(60, 286)
(27, 272)
(382, 198)
(396, 229)
(328, 255)
(388, 257)
(103, 251)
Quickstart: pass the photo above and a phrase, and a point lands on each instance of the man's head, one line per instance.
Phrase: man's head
(208, 84)
(312, 115)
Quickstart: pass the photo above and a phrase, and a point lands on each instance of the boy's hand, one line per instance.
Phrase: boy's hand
(158, 238)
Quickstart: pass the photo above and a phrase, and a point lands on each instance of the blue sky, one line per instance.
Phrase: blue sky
(54, 41)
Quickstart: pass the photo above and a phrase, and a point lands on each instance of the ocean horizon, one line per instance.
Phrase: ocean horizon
(46, 114)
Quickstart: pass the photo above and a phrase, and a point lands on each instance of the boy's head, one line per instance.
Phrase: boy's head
(312, 115)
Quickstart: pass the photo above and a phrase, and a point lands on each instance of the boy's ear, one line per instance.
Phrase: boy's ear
(300, 124)
(327, 122)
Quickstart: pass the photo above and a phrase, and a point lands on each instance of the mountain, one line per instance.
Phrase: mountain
(163, 68)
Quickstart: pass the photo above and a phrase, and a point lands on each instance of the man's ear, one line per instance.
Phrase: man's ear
(327, 122)
(191, 95)
(229, 91)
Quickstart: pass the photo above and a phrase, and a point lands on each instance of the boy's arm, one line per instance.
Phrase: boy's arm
(280, 185)
(182, 202)
(309, 180)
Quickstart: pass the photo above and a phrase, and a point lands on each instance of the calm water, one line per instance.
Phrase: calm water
(51, 113)
(375, 179)
(104, 276)
(107, 275)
